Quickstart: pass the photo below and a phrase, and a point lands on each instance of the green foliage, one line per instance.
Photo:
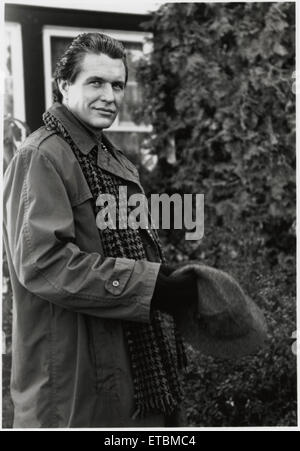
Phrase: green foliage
(218, 91)
(219, 83)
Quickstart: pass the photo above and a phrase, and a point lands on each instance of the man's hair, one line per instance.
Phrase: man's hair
(68, 66)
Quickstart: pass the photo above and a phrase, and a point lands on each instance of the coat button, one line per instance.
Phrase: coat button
(116, 283)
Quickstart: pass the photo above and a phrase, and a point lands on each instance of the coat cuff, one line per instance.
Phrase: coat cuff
(134, 280)
(145, 298)
(120, 276)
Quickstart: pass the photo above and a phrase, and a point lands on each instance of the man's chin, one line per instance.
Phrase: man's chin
(101, 124)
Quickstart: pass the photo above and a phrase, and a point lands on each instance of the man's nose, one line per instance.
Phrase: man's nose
(107, 93)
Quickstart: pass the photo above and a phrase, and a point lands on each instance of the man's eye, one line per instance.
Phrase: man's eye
(96, 83)
(119, 86)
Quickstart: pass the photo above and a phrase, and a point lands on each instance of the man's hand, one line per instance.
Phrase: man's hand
(174, 295)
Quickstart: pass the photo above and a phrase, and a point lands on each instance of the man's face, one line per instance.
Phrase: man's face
(96, 94)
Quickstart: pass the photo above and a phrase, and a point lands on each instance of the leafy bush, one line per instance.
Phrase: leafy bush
(217, 89)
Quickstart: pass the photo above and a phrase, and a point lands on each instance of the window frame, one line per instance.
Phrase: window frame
(17, 68)
(50, 31)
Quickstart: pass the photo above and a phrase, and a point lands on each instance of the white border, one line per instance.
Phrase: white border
(189, 429)
(17, 69)
(70, 32)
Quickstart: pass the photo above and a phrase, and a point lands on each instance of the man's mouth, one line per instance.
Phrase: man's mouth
(105, 111)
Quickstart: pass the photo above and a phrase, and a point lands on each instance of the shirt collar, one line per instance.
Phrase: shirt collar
(81, 134)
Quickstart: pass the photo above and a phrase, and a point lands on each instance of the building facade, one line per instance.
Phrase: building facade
(36, 36)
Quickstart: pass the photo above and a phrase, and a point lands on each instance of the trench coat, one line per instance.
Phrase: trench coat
(70, 361)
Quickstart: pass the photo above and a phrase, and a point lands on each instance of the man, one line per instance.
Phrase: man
(94, 341)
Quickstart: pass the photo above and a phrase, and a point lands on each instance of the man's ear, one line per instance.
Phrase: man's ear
(63, 86)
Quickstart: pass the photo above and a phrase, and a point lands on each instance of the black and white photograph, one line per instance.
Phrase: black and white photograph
(149, 200)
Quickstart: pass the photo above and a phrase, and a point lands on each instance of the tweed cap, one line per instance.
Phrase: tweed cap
(223, 322)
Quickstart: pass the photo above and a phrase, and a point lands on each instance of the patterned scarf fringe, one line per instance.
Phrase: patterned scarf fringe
(167, 405)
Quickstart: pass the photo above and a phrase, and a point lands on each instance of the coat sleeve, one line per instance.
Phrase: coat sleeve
(40, 232)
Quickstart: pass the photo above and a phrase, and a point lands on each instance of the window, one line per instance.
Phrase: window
(124, 132)
(14, 76)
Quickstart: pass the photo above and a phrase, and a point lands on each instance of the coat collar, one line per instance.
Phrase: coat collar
(80, 133)
(86, 140)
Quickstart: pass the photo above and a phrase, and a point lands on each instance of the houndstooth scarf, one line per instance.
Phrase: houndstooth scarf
(156, 349)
